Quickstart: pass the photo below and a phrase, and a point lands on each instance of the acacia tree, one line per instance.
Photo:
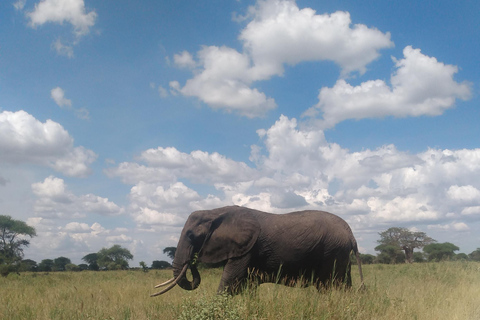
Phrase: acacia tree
(156, 264)
(91, 259)
(170, 252)
(440, 251)
(475, 255)
(60, 263)
(46, 265)
(12, 242)
(405, 240)
(114, 258)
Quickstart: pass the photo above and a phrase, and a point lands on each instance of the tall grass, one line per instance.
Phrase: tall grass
(446, 290)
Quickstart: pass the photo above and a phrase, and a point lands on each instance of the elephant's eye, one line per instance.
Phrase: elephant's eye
(190, 235)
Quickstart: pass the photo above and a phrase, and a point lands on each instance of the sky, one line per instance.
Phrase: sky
(120, 118)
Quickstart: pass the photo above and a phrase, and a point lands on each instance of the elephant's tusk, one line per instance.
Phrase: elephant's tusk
(165, 283)
(175, 281)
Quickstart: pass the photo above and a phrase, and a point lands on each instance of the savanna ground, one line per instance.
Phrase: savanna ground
(446, 290)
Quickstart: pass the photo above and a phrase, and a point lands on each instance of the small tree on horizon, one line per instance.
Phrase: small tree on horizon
(440, 251)
(114, 258)
(170, 252)
(46, 265)
(60, 263)
(404, 239)
(475, 255)
(156, 264)
(91, 260)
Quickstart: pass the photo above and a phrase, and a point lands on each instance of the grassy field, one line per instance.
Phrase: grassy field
(447, 290)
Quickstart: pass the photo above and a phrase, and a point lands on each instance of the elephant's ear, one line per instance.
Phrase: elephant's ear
(233, 234)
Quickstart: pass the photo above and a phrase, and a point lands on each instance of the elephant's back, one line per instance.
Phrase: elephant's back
(307, 235)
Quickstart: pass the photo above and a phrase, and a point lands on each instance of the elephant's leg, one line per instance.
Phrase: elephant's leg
(235, 275)
(348, 276)
(342, 273)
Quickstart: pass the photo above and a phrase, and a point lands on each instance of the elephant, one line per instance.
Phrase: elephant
(309, 246)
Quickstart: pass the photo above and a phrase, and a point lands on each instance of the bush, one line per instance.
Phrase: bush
(219, 307)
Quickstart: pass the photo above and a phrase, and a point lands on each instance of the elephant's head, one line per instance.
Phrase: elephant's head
(211, 236)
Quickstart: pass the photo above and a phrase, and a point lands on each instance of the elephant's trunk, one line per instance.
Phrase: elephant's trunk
(186, 284)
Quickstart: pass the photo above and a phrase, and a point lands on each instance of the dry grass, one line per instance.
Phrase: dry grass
(447, 290)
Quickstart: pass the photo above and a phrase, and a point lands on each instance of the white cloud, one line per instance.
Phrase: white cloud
(184, 60)
(119, 239)
(464, 194)
(166, 164)
(224, 83)
(279, 33)
(60, 11)
(63, 49)
(152, 217)
(77, 227)
(454, 226)
(161, 198)
(20, 4)
(162, 92)
(24, 139)
(58, 95)
(475, 210)
(54, 200)
(420, 86)
(132, 173)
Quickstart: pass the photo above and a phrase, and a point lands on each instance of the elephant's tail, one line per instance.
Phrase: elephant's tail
(359, 263)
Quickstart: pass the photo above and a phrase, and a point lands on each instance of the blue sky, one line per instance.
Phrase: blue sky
(118, 119)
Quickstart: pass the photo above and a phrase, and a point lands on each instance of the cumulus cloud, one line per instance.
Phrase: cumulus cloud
(184, 60)
(159, 198)
(148, 216)
(63, 49)
(60, 11)
(420, 86)
(58, 95)
(24, 139)
(282, 33)
(77, 227)
(453, 226)
(74, 239)
(381, 185)
(54, 200)
(19, 4)
(278, 33)
(224, 83)
(168, 164)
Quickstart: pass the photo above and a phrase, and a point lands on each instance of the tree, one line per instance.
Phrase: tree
(170, 252)
(404, 239)
(440, 251)
(46, 265)
(91, 259)
(72, 267)
(28, 265)
(364, 258)
(114, 258)
(461, 257)
(160, 264)
(60, 263)
(418, 257)
(83, 266)
(389, 254)
(143, 265)
(12, 242)
(475, 255)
